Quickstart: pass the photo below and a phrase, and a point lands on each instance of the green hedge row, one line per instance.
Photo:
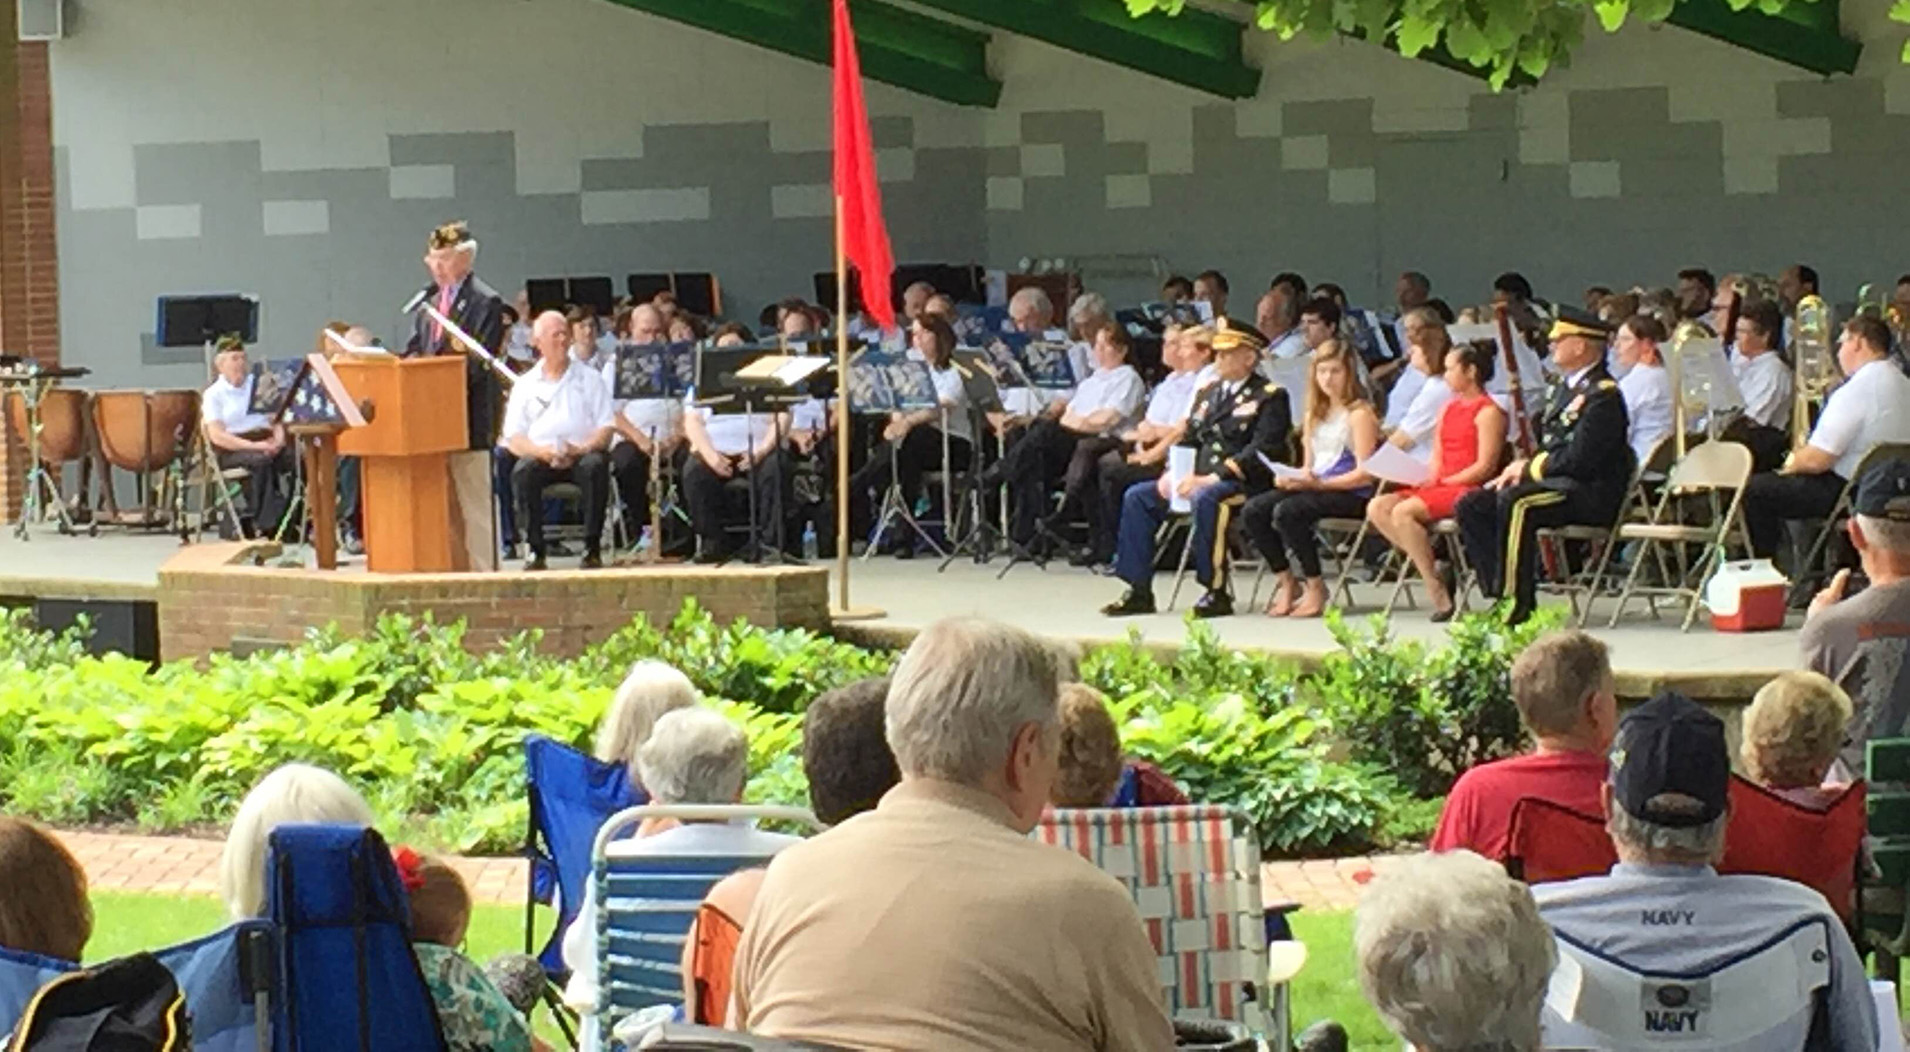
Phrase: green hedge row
(1352, 755)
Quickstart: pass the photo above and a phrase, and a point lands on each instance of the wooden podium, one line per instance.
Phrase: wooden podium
(417, 421)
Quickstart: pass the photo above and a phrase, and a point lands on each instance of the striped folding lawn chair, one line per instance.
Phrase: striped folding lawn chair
(1194, 874)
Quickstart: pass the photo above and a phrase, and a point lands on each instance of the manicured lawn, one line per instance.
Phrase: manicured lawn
(1327, 987)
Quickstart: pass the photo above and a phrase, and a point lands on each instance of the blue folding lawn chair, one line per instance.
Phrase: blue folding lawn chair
(646, 902)
(345, 966)
(329, 969)
(571, 794)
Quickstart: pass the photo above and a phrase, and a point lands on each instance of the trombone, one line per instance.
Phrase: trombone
(1692, 377)
(1814, 359)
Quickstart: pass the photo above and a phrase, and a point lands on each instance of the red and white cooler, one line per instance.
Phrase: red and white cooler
(1746, 596)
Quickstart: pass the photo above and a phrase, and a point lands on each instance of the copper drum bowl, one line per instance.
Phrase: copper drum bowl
(144, 431)
(62, 423)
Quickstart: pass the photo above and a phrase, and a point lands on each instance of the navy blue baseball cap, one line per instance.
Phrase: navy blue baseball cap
(1671, 745)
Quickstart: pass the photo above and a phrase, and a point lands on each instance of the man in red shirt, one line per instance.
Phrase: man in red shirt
(1562, 685)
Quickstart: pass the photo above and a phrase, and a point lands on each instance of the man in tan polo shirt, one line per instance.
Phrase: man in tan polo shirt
(934, 922)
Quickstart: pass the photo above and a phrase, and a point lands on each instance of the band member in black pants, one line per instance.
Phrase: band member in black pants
(557, 427)
(916, 437)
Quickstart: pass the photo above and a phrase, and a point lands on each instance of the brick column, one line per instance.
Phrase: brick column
(29, 255)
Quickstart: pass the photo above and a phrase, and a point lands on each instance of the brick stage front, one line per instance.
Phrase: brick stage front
(212, 597)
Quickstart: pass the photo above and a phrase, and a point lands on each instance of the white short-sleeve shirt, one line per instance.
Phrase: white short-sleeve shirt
(1172, 400)
(731, 434)
(953, 394)
(1420, 421)
(225, 404)
(1119, 388)
(1400, 398)
(656, 417)
(1647, 391)
(1766, 383)
(569, 409)
(1872, 406)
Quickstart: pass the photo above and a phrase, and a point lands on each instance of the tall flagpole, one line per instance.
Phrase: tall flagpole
(843, 611)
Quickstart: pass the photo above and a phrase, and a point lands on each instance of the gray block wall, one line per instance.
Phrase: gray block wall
(303, 183)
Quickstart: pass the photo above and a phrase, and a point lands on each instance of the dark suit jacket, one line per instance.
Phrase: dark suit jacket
(478, 310)
(1227, 431)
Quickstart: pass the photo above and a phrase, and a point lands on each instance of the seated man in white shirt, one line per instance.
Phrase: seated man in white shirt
(733, 453)
(557, 427)
(1105, 404)
(241, 438)
(1030, 311)
(1645, 383)
(1142, 454)
(1287, 360)
(646, 429)
(1871, 407)
(1766, 383)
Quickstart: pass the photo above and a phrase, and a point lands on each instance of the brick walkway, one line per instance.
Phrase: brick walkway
(185, 866)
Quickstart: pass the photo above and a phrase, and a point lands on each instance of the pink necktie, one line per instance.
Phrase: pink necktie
(444, 308)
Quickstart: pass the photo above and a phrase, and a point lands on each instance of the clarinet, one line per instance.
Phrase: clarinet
(1516, 388)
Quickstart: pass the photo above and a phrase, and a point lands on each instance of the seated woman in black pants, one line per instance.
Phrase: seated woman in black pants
(1340, 432)
(916, 438)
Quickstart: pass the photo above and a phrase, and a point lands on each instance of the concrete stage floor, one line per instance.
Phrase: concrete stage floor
(1058, 601)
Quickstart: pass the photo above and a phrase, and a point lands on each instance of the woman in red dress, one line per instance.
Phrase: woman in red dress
(1467, 444)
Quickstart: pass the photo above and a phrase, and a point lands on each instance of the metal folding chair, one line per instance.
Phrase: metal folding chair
(1706, 470)
(1807, 570)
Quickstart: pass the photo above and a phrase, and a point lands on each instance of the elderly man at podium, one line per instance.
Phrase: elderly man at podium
(557, 426)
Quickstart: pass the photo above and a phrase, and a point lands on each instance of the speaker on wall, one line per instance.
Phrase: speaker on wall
(42, 19)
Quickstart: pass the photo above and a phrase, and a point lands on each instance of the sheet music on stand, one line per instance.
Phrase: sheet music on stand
(980, 385)
(653, 371)
(883, 382)
(1044, 362)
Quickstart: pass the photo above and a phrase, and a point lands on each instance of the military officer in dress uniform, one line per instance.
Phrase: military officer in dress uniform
(1237, 416)
(1578, 476)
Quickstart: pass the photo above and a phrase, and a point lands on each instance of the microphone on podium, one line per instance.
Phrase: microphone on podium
(412, 303)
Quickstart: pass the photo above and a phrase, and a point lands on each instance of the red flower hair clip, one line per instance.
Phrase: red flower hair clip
(410, 868)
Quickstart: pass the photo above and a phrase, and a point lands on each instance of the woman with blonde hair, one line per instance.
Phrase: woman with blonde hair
(293, 794)
(1339, 432)
(651, 689)
(44, 910)
(1792, 732)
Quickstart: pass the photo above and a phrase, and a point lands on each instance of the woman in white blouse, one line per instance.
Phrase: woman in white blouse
(1340, 432)
(912, 441)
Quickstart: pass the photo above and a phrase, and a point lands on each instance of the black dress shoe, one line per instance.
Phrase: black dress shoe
(1440, 617)
(1518, 615)
(1323, 1036)
(1214, 604)
(536, 563)
(591, 561)
(1133, 604)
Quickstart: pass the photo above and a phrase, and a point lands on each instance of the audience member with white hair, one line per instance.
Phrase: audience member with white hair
(1862, 642)
(293, 794)
(1453, 955)
(1665, 911)
(651, 689)
(934, 921)
(692, 756)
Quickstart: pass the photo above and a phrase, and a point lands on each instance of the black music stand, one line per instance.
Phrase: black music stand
(981, 389)
(723, 388)
(654, 371)
(882, 383)
(199, 321)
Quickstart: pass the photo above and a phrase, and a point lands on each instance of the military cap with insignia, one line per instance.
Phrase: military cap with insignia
(1230, 334)
(1572, 321)
(454, 234)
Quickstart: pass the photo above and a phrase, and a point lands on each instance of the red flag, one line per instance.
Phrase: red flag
(865, 238)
